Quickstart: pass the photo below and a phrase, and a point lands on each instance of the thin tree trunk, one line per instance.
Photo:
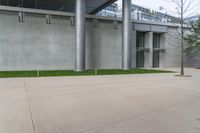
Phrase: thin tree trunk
(182, 43)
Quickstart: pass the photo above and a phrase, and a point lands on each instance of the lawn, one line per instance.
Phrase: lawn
(52, 73)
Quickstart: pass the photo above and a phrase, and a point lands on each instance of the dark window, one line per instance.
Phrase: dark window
(140, 37)
(140, 59)
(156, 52)
(156, 40)
(4, 2)
(156, 59)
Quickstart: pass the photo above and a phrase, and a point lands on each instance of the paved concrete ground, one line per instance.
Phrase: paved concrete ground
(155, 103)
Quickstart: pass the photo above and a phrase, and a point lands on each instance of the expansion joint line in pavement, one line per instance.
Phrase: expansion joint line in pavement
(29, 107)
(135, 116)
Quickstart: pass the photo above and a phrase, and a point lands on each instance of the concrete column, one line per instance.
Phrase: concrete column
(126, 38)
(80, 35)
(134, 50)
(148, 63)
(162, 53)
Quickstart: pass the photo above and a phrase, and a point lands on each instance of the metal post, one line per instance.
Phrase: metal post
(80, 35)
(126, 48)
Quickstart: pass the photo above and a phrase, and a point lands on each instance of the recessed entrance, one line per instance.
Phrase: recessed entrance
(156, 51)
(140, 49)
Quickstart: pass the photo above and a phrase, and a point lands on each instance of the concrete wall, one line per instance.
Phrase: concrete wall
(103, 46)
(35, 45)
(193, 60)
(172, 57)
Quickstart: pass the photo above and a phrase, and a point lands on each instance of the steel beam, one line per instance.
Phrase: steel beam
(126, 38)
(80, 35)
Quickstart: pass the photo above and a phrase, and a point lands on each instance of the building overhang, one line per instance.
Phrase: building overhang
(92, 6)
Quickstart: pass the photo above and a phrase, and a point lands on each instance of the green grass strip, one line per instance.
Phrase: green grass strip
(65, 73)
(132, 71)
(53, 73)
(13, 74)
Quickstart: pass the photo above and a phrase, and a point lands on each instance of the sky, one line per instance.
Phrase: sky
(169, 7)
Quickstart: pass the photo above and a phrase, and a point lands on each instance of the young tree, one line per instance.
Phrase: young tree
(193, 40)
(184, 8)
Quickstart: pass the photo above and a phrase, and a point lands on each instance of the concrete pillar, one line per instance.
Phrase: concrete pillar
(163, 52)
(80, 35)
(148, 63)
(126, 48)
(134, 50)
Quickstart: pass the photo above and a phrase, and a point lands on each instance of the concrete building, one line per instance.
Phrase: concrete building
(41, 39)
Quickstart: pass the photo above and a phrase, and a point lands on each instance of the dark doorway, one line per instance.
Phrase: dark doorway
(156, 59)
(140, 59)
(156, 51)
(140, 37)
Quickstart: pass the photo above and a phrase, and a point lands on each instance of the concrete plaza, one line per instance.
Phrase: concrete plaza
(153, 103)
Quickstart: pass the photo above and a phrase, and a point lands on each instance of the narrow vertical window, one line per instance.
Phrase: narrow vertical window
(140, 49)
(156, 50)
